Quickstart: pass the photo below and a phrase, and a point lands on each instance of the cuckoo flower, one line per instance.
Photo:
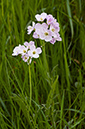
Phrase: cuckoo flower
(48, 30)
(56, 38)
(53, 41)
(34, 53)
(30, 28)
(23, 50)
(29, 45)
(39, 27)
(35, 35)
(54, 30)
(25, 57)
(17, 50)
(27, 51)
(50, 19)
(45, 34)
(41, 17)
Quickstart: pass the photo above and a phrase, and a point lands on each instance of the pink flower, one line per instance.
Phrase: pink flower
(29, 45)
(54, 30)
(25, 57)
(41, 17)
(42, 32)
(56, 25)
(58, 39)
(57, 35)
(38, 28)
(44, 25)
(17, 50)
(30, 28)
(34, 53)
(53, 41)
(23, 50)
(35, 35)
(45, 34)
(50, 19)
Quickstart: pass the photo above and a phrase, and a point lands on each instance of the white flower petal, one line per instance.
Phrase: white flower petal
(39, 50)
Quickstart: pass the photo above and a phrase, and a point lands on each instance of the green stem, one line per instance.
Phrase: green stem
(30, 85)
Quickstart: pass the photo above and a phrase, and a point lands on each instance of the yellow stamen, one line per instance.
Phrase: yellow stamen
(34, 52)
(24, 51)
(53, 30)
(25, 57)
(46, 33)
(41, 18)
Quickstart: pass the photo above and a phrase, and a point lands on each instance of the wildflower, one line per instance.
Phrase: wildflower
(44, 25)
(57, 37)
(56, 25)
(25, 57)
(48, 30)
(50, 19)
(46, 35)
(53, 41)
(54, 30)
(29, 45)
(41, 17)
(34, 53)
(43, 32)
(35, 35)
(27, 51)
(23, 50)
(16, 50)
(30, 28)
(38, 28)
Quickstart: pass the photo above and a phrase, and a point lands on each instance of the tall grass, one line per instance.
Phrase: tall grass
(50, 92)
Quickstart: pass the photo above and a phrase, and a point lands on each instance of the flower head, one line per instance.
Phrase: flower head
(27, 51)
(48, 31)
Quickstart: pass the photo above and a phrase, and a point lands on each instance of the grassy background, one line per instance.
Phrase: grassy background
(50, 93)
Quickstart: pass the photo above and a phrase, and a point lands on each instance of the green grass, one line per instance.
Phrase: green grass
(50, 93)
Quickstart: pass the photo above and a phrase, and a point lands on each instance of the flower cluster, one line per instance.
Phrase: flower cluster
(27, 51)
(46, 29)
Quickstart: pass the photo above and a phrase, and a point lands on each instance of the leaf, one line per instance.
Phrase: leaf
(4, 106)
(78, 122)
(70, 17)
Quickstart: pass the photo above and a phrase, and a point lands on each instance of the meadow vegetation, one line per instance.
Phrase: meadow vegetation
(50, 92)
